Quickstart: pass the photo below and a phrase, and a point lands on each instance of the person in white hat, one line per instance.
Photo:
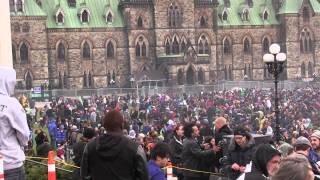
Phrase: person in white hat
(315, 142)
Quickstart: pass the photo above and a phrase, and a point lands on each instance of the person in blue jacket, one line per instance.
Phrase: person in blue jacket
(159, 159)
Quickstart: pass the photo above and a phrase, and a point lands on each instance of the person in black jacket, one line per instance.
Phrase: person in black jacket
(176, 150)
(113, 156)
(193, 156)
(239, 153)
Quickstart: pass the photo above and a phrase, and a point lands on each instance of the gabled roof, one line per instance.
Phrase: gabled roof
(31, 8)
(97, 10)
(294, 6)
(255, 19)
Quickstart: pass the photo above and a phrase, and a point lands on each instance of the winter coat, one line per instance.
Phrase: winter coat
(61, 137)
(115, 157)
(52, 127)
(223, 131)
(194, 158)
(155, 172)
(176, 150)
(238, 155)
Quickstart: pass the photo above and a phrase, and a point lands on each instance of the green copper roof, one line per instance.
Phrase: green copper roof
(255, 13)
(98, 11)
(30, 9)
(294, 6)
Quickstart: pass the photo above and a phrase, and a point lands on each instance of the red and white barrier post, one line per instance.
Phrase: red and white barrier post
(51, 166)
(169, 171)
(1, 168)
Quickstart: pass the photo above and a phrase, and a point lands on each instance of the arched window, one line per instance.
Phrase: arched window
(303, 70)
(245, 15)
(246, 46)
(16, 27)
(226, 46)
(25, 27)
(60, 18)
(12, 6)
(183, 45)
(203, 22)
(108, 78)
(86, 51)
(265, 45)
(90, 80)
(140, 22)
(203, 45)
(110, 50)
(306, 41)
(19, 5)
(109, 18)
(306, 14)
(201, 76)
(174, 16)
(24, 53)
(61, 51)
(224, 16)
(168, 51)
(175, 46)
(72, 3)
(141, 48)
(28, 80)
(65, 80)
(310, 69)
(265, 15)
(14, 54)
(85, 16)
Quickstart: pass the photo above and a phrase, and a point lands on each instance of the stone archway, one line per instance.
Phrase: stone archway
(28, 80)
(190, 77)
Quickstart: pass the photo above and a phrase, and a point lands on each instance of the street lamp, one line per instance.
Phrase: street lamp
(275, 63)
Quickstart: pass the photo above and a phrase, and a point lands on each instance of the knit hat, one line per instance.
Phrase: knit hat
(316, 134)
(302, 141)
(241, 131)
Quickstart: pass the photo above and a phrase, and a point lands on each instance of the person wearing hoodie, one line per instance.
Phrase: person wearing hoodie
(14, 130)
(113, 156)
(265, 163)
(239, 153)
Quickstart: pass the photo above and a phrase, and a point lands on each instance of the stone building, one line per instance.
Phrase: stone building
(103, 43)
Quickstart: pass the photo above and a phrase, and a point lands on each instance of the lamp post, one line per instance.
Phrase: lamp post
(275, 63)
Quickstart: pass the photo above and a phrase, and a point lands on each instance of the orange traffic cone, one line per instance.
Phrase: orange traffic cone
(51, 166)
(169, 171)
(1, 168)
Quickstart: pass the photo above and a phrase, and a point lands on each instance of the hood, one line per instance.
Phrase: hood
(233, 145)
(110, 146)
(7, 81)
(262, 155)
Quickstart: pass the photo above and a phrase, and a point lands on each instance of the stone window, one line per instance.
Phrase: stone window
(226, 46)
(86, 51)
(12, 6)
(90, 81)
(175, 46)
(245, 15)
(174, 16)
(265, 45)
(65, 80)
(246, 46)
(140, 22)
(201, 76)
(87, 80)
(306, 41)
(306, 14)
(60, 18)
(310, 69)
(230, 72)
(110, 50)
(303, 70)
(203, 22)
(61, 51)
(28, 79)
(24, 53)
(16, 27)
(109, 18)
(224, 16)
(266, 74)
(168, 48)
(183, 45)
(25, 27)
(180, 77)
(141, 48)
(108, 78)
(265, 15)
(203, 45)
(72, 3)
(19, 5)
(247, 71)
(85, 16)
(14, 54)
(60, 81)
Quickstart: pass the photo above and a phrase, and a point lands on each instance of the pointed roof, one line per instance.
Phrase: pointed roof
(31, 8)
(294, 6)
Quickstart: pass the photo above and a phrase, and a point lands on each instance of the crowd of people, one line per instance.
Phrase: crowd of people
(115, 136)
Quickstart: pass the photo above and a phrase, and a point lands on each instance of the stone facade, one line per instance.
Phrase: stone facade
(148, 24)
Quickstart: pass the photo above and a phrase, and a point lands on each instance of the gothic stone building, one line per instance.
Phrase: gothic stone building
(99, 43)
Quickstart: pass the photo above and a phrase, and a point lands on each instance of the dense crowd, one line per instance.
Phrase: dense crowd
(187, 129)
